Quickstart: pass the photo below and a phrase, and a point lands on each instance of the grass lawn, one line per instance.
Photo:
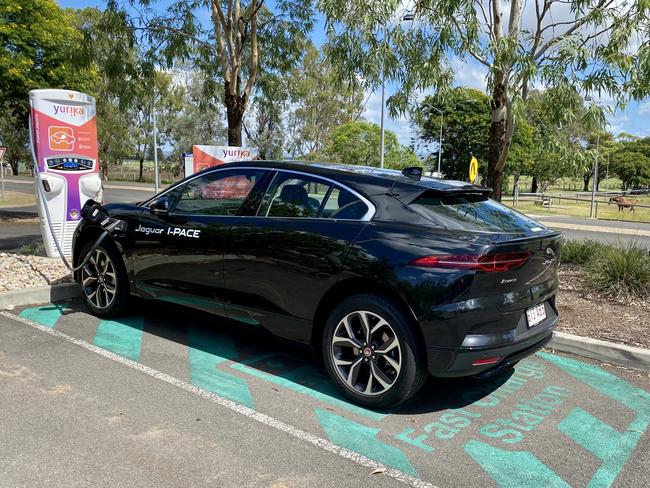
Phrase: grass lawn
(581, 209)
(16, 199)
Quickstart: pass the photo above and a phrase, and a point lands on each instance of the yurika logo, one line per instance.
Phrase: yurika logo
(70, 110)
(236, 153)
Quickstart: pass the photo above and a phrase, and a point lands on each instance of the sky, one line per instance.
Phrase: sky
(634, 119)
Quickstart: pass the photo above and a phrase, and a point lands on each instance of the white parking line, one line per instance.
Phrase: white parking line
(234, 406)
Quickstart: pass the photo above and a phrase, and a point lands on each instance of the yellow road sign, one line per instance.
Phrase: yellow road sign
(473, 169)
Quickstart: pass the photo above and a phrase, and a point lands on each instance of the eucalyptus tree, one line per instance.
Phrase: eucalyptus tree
(574, 46)
(199, 119)
(356, 142)
(40, 47)
(318, 104)
(243, 41)
(166, 98)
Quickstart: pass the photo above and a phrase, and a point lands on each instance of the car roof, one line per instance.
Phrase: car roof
(367, 179)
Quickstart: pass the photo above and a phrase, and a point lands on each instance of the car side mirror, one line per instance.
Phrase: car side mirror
(160, 206)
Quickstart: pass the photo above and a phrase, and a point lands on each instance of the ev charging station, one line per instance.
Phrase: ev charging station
(63, 136)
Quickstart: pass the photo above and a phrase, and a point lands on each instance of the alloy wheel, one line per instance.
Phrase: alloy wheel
(366, 353)
(98, 280)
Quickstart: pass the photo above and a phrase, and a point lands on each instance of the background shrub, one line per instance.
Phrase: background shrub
(581, 252)
(621, 271)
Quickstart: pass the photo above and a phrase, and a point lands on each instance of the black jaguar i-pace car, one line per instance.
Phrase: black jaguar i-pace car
(389, 275)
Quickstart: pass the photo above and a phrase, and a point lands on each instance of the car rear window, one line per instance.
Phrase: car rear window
(472, 212)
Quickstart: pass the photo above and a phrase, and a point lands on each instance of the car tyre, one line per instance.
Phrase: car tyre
(372, 353)
(103, 280)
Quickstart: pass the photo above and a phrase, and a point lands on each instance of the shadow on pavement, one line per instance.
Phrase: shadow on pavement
(267, 356)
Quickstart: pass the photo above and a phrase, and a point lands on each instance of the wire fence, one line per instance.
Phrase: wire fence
(605, 205)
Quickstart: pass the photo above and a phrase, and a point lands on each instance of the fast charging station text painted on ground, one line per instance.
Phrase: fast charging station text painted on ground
(553, 421)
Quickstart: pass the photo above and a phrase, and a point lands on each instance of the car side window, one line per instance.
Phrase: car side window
(292, 195)
(218, 192)
(343, 204)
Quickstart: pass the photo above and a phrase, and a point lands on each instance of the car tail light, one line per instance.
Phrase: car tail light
(489, 263)
(486, 361)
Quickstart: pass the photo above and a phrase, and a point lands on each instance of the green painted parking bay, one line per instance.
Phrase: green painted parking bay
(552, 421)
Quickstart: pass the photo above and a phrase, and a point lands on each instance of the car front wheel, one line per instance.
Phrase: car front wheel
(103, 279)
(371, 352)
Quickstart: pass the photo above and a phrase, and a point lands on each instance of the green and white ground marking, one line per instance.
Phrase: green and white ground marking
(553, 421)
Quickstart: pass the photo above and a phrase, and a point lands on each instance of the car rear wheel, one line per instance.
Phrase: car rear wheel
(371, 352)
(103, 279)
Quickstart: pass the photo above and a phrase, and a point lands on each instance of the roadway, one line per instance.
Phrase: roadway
(606, 231)
(24, 230)
(114, 191)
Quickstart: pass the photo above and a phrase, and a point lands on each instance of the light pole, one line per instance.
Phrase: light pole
(155, 145)
(595, 177)
(442, 114)
(607, 177)
(405, 17)
(381, 150)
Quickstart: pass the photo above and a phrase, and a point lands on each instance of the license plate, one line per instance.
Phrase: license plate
(536, 315)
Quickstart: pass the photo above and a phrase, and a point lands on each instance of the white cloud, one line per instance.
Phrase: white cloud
(470, 74)
(644, 108)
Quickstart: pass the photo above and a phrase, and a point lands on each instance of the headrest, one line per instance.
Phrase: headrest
(295, 194)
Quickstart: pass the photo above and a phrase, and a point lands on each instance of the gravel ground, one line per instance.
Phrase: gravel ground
(590, 315)
(20, 271)
(581, 313)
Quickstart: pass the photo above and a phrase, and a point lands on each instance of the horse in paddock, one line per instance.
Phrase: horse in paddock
(623, 203)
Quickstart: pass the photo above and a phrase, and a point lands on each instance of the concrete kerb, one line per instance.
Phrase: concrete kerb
(635, 357)
(39, 295)
(604, 351)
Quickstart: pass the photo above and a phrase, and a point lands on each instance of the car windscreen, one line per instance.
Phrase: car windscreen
(473, 212)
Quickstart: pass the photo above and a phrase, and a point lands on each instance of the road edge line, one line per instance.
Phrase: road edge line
(605, 351)
(234, 406)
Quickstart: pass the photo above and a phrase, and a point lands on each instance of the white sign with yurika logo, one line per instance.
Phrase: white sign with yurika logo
(208, 156)
(68, 114)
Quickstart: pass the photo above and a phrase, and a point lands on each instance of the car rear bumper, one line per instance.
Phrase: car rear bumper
(461, 362)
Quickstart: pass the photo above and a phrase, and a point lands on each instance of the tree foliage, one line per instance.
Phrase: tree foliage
(245, 42)
(465, 126)
(572, 46)
(631, 162)
(41, 46)
(199, 116)
(319, 104)
(358, 143)
(13, 136)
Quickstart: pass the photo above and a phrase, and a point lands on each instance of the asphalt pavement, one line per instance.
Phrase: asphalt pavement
(170, 397)
(607, 231)
(113, 191)
(72, 418)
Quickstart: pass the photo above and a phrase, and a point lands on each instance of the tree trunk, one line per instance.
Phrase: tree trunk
(585, 180)
(235, 107)
(533, 185)
(497, 142)
(141, 167)
(13, 162)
